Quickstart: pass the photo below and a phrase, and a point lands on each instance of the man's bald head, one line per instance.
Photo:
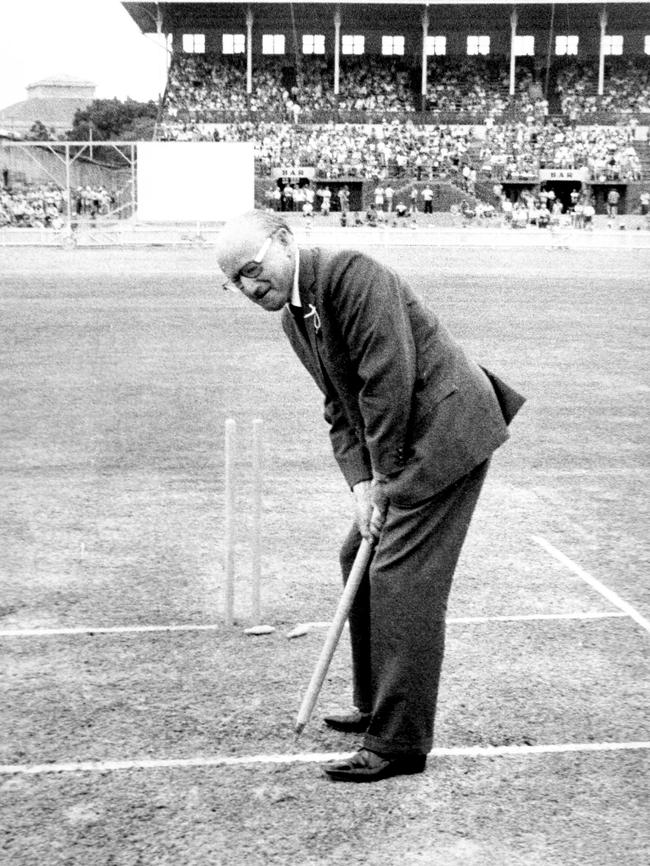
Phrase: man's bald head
(239, 245)
(245, 234)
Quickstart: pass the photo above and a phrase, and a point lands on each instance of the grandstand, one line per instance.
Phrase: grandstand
(459, 98)
(553, 95)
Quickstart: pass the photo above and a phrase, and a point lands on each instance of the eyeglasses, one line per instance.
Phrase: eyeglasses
(251, 269)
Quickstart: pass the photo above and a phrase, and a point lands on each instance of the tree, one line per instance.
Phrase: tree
(38, 132)
(140, 129)
(112, 120)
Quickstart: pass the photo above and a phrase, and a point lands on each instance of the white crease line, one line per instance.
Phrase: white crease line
(523, 617)
(137, 629)
(309, 758)
(118, 629)
(607, 593)
(531, 617)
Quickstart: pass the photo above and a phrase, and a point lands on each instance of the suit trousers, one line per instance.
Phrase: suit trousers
(397, 620)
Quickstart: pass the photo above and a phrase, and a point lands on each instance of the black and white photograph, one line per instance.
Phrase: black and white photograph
(324, 433)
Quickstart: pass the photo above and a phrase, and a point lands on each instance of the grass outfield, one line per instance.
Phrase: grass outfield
(119, 368)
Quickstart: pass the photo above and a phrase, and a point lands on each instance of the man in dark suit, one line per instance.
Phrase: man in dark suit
(413, 423)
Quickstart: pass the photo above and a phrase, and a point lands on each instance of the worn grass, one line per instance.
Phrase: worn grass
(118, 370)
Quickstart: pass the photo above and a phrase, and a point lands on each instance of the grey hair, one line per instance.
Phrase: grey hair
(268, 222)
(235, 236)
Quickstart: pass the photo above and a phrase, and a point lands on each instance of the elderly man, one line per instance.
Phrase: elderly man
(413, 422)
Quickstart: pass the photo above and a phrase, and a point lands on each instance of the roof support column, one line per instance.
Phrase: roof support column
(249, 51)
(425, 34)
(513, 39)
(601, 52)
(68, 196)
(163, 41)
(337, 50)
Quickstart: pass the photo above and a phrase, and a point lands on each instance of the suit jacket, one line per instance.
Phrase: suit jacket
(401, 396)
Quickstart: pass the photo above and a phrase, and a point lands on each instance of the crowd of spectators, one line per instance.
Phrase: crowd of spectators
(626, 88)
(197, 85)
(480, 86)
(394, 149)
(537, 207)
(474, 85)
(200, 87)
(541, 209)
(91, 202)
(516, 151)
(508, 151)
(45, 205)
(32, 206)
(370, 84)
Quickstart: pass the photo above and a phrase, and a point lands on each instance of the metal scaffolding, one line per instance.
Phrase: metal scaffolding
(73, 164)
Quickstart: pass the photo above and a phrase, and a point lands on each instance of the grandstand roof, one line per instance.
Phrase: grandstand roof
(206, 14)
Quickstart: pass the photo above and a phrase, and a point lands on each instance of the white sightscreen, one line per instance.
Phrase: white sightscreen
(186, 181)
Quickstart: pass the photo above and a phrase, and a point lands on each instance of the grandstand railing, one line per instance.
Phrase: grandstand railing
(418, 118)
(327, 116)
(609, 118)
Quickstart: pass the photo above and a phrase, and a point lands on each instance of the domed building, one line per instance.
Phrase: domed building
(52, 101)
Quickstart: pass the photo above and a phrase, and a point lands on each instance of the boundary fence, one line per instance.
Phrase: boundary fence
(448, 230)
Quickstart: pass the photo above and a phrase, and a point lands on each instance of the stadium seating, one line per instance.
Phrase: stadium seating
(517, 151)
(202, 88)
(508, 151)
(390, 150)
(45, 205)
(626, 89)
(480, 86)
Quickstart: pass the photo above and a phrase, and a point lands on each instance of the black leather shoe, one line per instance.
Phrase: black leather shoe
(367, 766)
(352, 723)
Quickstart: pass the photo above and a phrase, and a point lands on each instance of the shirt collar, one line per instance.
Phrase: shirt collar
(295, 293)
